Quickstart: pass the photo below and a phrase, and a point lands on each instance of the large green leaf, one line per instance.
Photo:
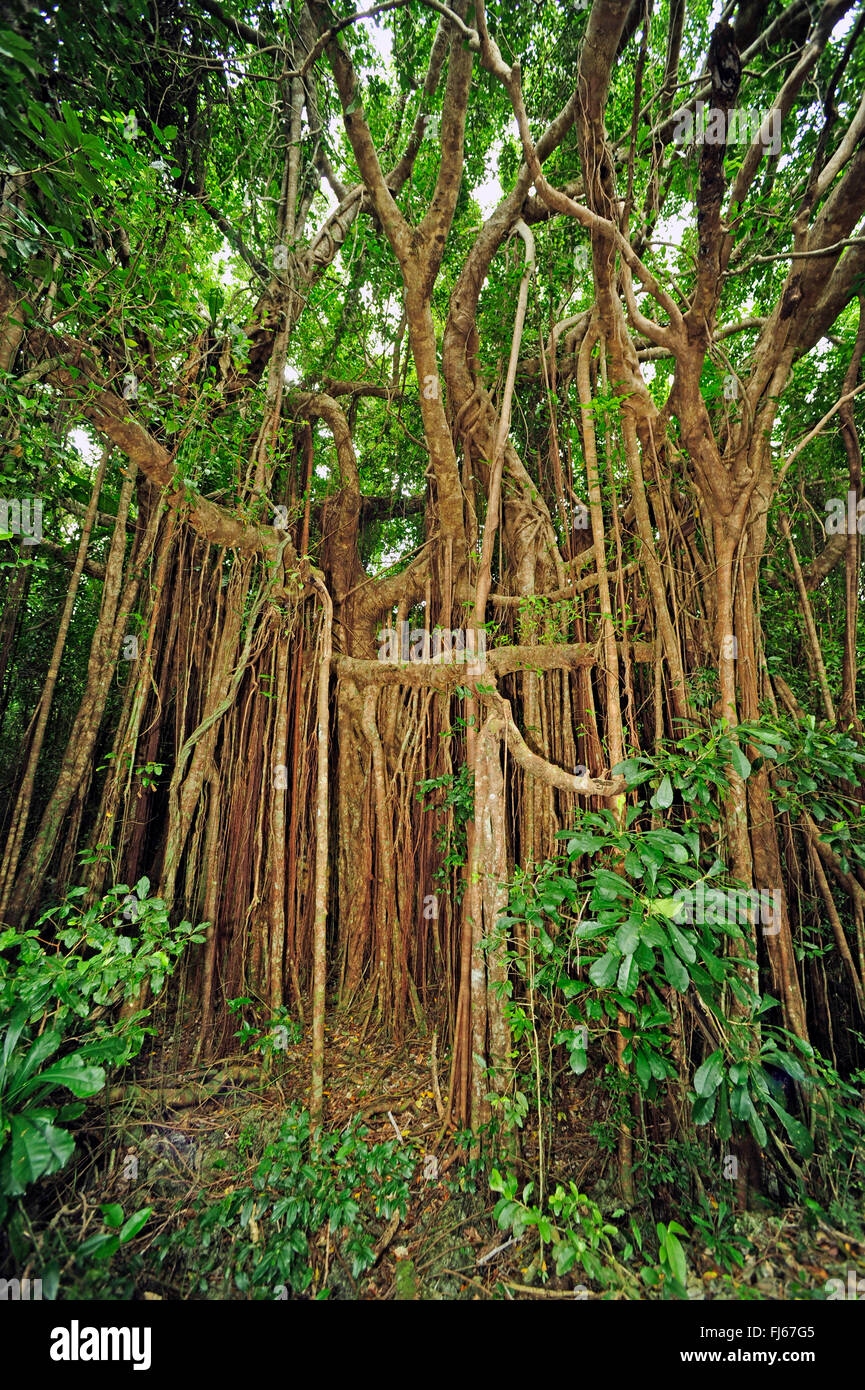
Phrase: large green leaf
(20, 1072)
(627, 938)
(664, 795)
(17, 1024)
(704, 1108)
(681, 944)
(709, 1076)
(613, 885)
(796, 1131)
(787, 1063)
(675, 972)
(602, 972)
(75, 1075)
(629, 975)
(34, 1148)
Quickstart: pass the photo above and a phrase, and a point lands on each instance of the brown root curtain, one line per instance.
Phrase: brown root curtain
(291, 822)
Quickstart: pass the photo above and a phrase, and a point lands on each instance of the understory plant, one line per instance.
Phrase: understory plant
(257, 1239)
(61, 984)
(603, 935)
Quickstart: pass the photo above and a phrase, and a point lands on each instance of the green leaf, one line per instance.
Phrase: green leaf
(589, 929)
(787, 1063)
(629, 769)
(644, 1071)
(796, 1131)
(681, 944)
(723, 1123)
(627, 938)
(583, 844)
(654, 934)
(758, 1129)
(25, 1158)
(50, 1281)
(741, 1104)
(603, 971)
(81, 1080)
(676, 1258)
(16, 1027)
(39, 1052)
(704, 1108)
(675, 972)
(613, 885)
(664, 795)
(134, 1224)
(629, 975)
(709, 1076)
(644, 956)
(659, 1068)
(34, 1148)
(98, 1247)
(507, 1215)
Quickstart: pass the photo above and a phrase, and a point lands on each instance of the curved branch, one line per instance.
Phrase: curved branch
(470, 35)
(560, 202)
(110, 414)
(392, 220)
(540, 768)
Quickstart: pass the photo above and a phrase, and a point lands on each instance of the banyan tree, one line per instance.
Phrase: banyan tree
(432, 412)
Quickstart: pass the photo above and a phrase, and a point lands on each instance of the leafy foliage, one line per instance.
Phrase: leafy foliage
(58, 1032)
(256, 1238)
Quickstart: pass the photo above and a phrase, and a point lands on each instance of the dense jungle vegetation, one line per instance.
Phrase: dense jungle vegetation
(433, 782)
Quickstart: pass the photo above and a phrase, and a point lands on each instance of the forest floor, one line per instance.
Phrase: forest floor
(170, 1139)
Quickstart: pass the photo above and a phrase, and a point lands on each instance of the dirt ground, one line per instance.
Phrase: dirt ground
(169, 1136)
